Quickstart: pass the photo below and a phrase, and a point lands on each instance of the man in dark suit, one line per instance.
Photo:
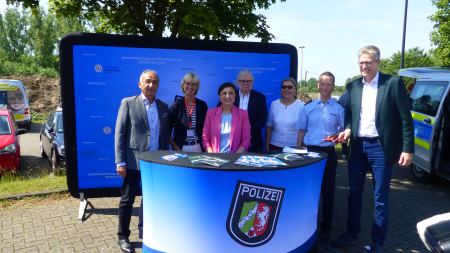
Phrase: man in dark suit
(379, 124)
(142, 125)
(255, 103)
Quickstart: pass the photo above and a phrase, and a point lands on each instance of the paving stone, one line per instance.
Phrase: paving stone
(53, 227)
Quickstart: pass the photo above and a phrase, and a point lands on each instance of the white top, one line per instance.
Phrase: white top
(367, 126)
(225, 133)
(243, 100)
(284, 121)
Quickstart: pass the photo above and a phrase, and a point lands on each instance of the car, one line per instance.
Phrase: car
(13, 95)
(9, 142)
(430, 109)
(52, 140)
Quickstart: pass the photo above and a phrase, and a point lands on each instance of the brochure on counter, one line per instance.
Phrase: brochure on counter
(313, 155)
(259, 161)
(302, 151)
(209, 160)
(289, 157)
(173, 156)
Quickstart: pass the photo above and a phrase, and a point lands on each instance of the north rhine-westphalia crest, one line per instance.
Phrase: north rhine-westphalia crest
(253, 214)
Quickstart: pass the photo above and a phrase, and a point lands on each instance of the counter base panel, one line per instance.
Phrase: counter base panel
(186, 209)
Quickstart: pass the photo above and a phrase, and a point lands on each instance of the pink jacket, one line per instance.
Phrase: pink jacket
(240, 129)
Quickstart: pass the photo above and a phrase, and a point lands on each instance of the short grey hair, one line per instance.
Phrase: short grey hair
(148, 71)
(370, 50)
(246, 72)
(292, 80)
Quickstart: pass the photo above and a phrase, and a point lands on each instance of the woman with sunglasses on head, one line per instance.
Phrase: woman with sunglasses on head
(187, 116)
(282, 121)
(227, 128)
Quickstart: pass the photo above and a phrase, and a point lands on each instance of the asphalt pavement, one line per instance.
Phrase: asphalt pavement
(52, 226)
(31, 162)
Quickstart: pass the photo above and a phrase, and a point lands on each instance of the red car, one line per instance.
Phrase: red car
(9, 142)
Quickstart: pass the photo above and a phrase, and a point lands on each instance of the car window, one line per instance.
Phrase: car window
(50, 120)
(427, 95)
(4, 125)
(59, 124)
(2, 97)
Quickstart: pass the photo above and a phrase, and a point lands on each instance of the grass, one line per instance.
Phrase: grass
(28, 201)
(11, 184)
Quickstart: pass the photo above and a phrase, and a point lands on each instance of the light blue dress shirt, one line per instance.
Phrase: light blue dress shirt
(153, 124)
(321, 119)
(225, 133)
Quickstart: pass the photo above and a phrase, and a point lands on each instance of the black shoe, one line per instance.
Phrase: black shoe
(344, 240)
(376, 248)
(125, 245)
(324, 235)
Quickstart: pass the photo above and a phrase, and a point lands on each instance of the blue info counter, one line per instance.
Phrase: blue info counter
(192, 208)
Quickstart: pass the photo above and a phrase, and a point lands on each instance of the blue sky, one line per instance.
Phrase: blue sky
(332, 31)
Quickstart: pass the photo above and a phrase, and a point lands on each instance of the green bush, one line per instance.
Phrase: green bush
(24, 67)
(39, 118)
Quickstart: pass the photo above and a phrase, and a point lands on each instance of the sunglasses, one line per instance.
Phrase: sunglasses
(289, 87)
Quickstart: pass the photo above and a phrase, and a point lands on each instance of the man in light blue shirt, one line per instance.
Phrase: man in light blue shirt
(142, 125)
(319, 123)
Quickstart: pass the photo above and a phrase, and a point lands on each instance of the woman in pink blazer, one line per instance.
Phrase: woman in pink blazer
(227, 128)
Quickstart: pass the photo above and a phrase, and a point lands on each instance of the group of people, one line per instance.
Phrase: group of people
(376, 120)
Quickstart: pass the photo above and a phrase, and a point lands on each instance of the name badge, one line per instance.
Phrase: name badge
(190, 132)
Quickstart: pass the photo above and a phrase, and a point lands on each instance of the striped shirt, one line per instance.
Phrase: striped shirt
(193, 120)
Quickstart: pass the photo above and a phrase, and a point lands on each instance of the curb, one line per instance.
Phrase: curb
(34, 194)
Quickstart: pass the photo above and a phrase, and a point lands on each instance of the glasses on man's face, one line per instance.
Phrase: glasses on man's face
(367, 63)
(287, 87)
(245, 81)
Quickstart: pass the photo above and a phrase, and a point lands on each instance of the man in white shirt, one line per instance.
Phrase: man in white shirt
(379, 124)
(255, 103)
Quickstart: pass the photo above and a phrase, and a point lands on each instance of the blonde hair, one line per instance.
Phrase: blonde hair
(192, 77)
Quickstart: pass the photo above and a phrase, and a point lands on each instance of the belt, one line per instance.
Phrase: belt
(190, 143)
(372, 139)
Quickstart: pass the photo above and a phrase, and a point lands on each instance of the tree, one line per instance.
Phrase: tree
(13, 33)
(199, 19)
(43, 38)
(352, 78)
(441, 34)
(414, 57)
(311, 85)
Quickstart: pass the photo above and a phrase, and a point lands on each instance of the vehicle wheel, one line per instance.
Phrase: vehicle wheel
(420, 175)
(43, 154)
(54, 161)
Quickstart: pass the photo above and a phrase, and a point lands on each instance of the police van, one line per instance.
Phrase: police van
(430, 109)
(13, 95)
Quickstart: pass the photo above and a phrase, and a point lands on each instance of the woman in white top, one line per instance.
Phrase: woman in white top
(282, 122)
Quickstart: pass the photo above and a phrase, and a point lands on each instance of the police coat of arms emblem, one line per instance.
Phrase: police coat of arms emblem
(254, 213)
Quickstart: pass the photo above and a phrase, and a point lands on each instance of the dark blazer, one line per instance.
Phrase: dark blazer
(257, 114)
(132, 131)
(178, 120)
(393, 117)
